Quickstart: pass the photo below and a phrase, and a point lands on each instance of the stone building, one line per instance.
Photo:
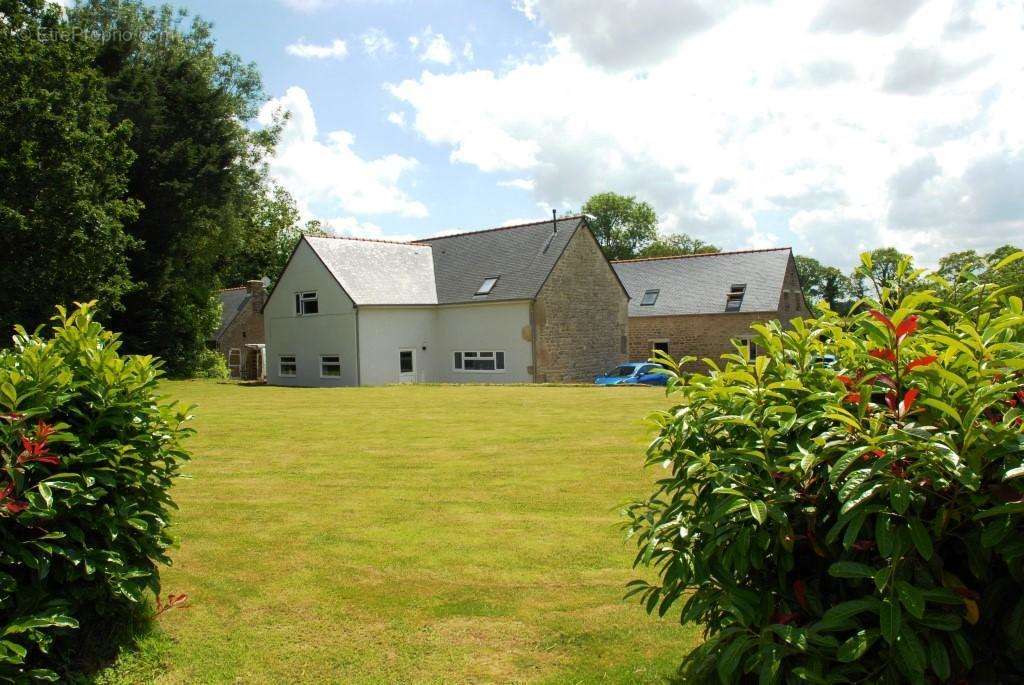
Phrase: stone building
(694, 305)
(240, 336)
(536, 302)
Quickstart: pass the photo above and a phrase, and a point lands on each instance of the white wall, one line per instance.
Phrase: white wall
(383, 331)
(497, 326)
(331, 331)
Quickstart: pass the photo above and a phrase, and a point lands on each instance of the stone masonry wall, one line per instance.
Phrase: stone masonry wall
(709, 335)
(246, 328)
(580, 317)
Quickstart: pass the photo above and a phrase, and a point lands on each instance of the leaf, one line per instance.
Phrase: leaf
(911, 649)
(1008, 259)
(972, 614)
(899, 495)
(729, 660)
(856, 646)
(889, 619)
(911, 598)
(850, 569)
(938, 657)
(759, 510)
(944, 408)
(922, 540)
(1008, 508)
(845, 610)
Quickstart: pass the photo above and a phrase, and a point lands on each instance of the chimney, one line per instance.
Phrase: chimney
(257, 290)
(554, 220)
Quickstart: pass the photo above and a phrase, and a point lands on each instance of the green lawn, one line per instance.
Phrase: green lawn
(433, 534)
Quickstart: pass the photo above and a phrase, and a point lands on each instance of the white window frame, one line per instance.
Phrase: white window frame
(322, 363)
(301, 298)
(487, 285)
(237, 364)
(280, 365)
(477, 355)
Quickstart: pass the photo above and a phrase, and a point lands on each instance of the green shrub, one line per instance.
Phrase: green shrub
(856, 523)
(88, 456)
(210, 364)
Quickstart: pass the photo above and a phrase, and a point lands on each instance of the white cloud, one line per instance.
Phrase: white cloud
(467, 51)
(324, 173)
(729, 133)
(397, 118)
(336, 50)
(307, 5)
(376, 43)
(432, 47)
(354, 228)
(520, 183)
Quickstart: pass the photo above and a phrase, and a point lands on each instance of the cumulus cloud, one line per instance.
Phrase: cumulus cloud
(307, 5)
(376, 43)
(869, 16)
(336, 50)
(324, 173)
(397, 118)
(918, 70)
(432, 47)
(352, 227)
(724, 147)
(520, 183)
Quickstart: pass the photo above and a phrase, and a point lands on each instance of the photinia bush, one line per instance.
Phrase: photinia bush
(88, 454)
(855, 522)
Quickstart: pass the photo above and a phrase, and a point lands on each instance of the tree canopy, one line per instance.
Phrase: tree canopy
(627, 228)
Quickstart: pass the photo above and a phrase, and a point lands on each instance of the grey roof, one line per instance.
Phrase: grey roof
(698, 284)
(232, 301)
(378, 272)
(520, 256)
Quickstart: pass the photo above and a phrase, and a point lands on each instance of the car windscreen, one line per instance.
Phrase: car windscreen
(621, 371)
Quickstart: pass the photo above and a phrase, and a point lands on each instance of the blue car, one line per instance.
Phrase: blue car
(634, 373)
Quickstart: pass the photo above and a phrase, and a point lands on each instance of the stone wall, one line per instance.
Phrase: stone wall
(246, 328)
(709, 335)
(580, 317)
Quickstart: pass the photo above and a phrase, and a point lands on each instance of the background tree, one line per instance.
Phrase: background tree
(955, 262)
(266, 241)
(623, 225)
(63, 170)
(824, 283)
(882, 267)
(1010, 275)
(197, 171)
(677, 244)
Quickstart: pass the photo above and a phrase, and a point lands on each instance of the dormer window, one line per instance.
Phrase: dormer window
(735, 297)
(649, 298)
(487, 286)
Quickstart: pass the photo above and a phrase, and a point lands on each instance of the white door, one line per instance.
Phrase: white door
(407, 366)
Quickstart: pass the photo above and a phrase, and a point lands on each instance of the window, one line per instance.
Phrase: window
(330, 366)
(750, 345)
(287, 367)
(649, 298)
(659, 346)
(235, 361)
(479, 361)
(306, 303)
(487, 286)
(735, 297)
(785, 300)
(405, 361)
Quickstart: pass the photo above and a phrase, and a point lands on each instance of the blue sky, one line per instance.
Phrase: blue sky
(831, 126)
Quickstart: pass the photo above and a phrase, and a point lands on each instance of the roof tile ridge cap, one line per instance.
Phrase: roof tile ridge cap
(365, 240)
(496, 228)
(227, 290)
(704, 254)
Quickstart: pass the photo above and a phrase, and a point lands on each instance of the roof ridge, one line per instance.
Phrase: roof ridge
(702, 254)
(237, 287)
(496, 228)
(365, 240)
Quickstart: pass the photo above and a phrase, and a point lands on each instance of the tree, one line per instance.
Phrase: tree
(952, 264)
(266, 242)
(197, 171)
(880, 269)
(823, 283)
(623, 225)
(1011, 275)
(677, 244)
(63, 172)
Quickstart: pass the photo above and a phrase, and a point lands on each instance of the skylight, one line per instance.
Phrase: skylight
(735, 297)
(488, 285)
(650, 297)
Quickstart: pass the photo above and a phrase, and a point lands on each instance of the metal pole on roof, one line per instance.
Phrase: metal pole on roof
(554, 220)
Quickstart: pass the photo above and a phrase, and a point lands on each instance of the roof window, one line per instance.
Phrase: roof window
(649, 298)
(487, 286)
(735, 297)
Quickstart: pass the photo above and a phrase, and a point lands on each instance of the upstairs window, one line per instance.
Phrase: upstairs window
(649, 298)
(487, 286)
(306, 303)
(735, 297)
(479, 361)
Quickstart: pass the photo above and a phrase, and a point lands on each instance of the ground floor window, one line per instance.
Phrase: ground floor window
(405, 361)
(234, 360)
(659, 346)
(479, 361)
(330, 366)
(750, 345)
(288, 367)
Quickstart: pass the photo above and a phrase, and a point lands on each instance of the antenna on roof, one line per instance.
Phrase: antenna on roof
(554, 220)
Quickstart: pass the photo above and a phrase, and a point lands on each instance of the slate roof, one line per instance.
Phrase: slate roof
(378, 271)
(698, 284)
(521, 256)
(232, 301)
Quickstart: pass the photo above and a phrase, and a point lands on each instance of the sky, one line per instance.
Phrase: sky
(832, 127)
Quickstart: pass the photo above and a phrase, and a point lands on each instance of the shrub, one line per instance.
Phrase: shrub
(211, 364)
(88, 456)
(856, 523)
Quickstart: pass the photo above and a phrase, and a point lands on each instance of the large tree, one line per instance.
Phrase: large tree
(884, 269)
(63, 166)
(198, 168)
(622, 224)
(823, 283)
(677, 244)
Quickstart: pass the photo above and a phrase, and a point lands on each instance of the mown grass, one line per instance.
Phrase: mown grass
(436, 534)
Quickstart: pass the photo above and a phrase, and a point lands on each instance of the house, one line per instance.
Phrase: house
(535, 302)
(240, 334)
(694, 305)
